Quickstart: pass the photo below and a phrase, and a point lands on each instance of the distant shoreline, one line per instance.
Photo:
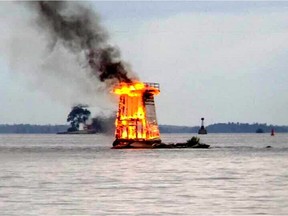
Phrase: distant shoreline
(214, 128)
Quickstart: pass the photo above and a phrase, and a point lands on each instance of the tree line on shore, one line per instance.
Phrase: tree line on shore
(31, 129)
(229, 127)
(102, 126)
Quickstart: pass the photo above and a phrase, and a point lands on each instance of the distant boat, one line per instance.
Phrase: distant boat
(272, 132)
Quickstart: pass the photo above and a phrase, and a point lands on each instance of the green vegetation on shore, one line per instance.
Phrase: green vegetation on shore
(214, 128)
(31, 129)
(226, 128)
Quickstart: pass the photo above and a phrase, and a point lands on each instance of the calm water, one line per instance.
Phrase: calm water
(81, 175)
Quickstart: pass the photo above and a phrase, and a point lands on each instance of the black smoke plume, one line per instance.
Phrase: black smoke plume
(103, 124)
(79, 31)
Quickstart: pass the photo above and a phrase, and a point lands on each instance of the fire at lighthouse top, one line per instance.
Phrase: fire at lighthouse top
(137, 88)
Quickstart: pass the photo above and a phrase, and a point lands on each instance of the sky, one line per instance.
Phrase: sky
(224, 61)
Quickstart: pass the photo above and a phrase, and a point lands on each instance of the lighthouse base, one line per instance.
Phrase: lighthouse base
(128, 143)
(155, 144)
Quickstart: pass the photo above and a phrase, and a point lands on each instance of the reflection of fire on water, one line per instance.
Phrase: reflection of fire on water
(136, 117)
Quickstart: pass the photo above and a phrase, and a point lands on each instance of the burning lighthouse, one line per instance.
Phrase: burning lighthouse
(136, 122)
(76, 28)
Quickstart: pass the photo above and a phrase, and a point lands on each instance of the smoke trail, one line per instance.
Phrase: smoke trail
(79, 31)
(61, 49)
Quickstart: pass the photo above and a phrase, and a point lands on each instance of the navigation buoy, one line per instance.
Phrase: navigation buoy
(202, 129)
(272, 132)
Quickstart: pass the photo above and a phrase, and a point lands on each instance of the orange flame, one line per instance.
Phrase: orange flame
(132, 122)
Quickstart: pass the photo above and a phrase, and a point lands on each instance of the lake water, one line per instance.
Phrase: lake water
(81, 175)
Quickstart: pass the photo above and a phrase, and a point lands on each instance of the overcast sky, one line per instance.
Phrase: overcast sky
(224, 61)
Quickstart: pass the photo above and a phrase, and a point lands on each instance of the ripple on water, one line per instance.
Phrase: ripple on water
(81, 175)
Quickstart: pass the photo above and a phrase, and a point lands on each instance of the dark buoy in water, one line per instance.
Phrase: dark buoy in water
(202, 129)
(272, 132)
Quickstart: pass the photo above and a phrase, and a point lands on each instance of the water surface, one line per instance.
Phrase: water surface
(81, 175)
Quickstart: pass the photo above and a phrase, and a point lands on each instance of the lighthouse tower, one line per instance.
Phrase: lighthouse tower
(136, 121)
